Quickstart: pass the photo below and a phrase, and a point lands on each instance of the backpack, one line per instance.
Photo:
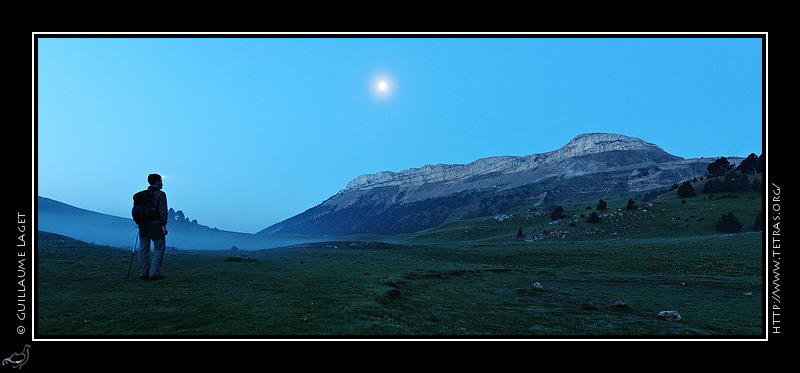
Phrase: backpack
(144, 209)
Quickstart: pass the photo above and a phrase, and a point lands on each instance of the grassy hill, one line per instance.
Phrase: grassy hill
(472, 278)
(664, 216)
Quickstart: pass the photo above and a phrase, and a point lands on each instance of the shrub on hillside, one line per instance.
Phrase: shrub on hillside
(558, 213)
(728, 223)
(758, 224)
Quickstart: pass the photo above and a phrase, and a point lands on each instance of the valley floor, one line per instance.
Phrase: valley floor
(353, 289)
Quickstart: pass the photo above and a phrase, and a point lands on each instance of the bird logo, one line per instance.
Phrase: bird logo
(18, 359)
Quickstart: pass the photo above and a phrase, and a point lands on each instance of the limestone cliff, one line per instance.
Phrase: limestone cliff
(590, 143)
(587, 167)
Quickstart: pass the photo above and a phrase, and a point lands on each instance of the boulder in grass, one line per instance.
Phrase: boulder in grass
(669, 315)
(620, 306)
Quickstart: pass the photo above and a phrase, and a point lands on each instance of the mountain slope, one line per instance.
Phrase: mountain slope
(590, 166)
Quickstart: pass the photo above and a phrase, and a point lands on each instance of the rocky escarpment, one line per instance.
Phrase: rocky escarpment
(589, 166)
(586, 144)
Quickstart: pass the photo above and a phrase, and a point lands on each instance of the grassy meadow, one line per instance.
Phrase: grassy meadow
(471, 278)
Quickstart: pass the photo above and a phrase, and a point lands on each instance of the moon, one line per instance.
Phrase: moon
(382, 86)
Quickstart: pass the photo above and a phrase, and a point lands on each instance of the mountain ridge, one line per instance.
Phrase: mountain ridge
(589, 165)
(584, 144)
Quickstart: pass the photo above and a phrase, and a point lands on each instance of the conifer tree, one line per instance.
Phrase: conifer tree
(558, 213)
(719, 167)
(686, 190)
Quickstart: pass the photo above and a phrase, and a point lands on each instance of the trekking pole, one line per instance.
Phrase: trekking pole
(135, 241)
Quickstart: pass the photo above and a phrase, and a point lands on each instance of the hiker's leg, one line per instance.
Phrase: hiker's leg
(159, 245)
(144, 256)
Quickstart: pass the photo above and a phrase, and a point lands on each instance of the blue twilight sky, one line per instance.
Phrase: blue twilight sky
(251, 131)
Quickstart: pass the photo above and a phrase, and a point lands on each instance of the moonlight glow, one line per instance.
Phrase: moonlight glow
(382, 86)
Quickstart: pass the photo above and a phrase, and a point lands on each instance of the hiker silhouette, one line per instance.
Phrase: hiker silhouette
(150, 214)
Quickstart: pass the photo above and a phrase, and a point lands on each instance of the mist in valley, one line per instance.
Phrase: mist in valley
(102, 229)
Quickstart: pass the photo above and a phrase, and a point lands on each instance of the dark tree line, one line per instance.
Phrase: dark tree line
(751, 165)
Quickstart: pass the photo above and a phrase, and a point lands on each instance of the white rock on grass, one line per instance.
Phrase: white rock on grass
(669, 315)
